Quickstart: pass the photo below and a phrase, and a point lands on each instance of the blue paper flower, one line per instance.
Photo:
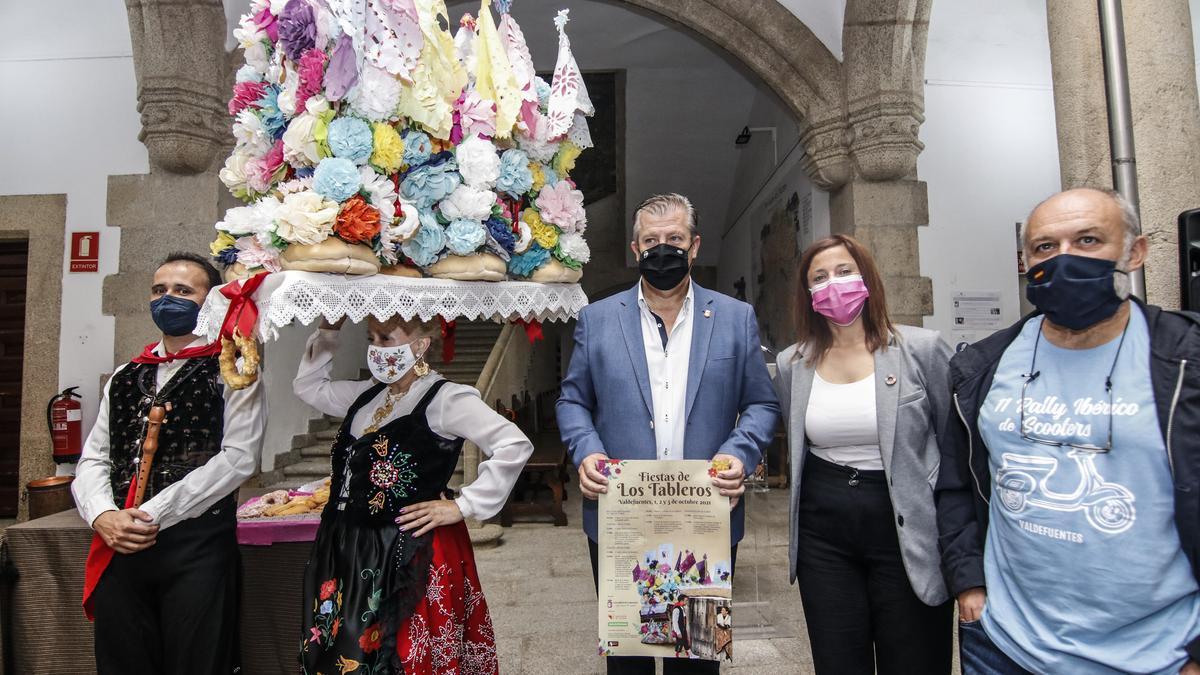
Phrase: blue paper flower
(350, 138)
(524, 264)
(464, 236)
(247, 73)
(228, 255)
(430, 184)
(502, 232)
(543, 91)
(268, 111)
(304, 172)
(417, 147)
(551, 176)
(336, 179)
(515, 177)
(423, 249)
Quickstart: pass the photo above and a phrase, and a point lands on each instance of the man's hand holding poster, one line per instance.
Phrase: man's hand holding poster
(665, 581)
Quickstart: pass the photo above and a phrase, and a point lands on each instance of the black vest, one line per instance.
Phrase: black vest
(191, 434)
(402, 463)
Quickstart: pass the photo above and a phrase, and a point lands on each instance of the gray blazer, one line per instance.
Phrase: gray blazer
(912, 400)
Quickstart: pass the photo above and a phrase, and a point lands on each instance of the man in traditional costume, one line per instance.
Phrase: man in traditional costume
(162, 575)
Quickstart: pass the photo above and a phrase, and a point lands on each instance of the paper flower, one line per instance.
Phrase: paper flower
(233, 175)
(468, 203)
(297, 28)
(538, 176)
(342, 73)
(377, 94)
(311, 70)
(515, 177)
(550, 176)
(252, 253)
(381, 193)
(543, 91)
(478, 162)
(223, 241)
(306, 217)
(272, 117)
(300, 145)
(253, 41)
(350, 138)
(524, 264)
(464, 236)
(287, 92)
(262, 172)
(476, 115)
(247, 73)
(524, 237)
(249, 134)
(562, 205)
(336, 178)
(542, 151)
(357, 222)
(388, 153)
(417, 147)
(564, 161)
(502, 233)
(429, 184)
(252, 220)
(423, 249)
(544, 234)
(573, 250)
(246, 95)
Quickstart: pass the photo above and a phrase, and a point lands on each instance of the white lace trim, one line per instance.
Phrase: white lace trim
(290, 296)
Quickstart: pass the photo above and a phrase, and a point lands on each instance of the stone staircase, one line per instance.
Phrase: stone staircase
(473, 345)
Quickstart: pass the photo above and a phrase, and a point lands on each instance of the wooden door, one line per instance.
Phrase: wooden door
(14, 263)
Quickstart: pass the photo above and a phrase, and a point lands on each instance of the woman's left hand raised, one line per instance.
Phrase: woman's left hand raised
(427, 515)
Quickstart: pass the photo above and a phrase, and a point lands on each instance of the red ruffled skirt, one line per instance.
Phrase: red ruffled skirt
(450, 631)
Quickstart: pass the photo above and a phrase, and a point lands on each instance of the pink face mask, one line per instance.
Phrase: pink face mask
(840, 299)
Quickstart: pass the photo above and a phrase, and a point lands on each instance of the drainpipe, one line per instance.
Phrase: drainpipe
(1120, 115)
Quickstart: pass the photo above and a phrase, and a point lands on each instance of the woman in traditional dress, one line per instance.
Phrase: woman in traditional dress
(724, 632)
(391, 586)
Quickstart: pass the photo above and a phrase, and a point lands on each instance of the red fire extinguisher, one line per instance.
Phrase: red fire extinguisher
(64, 415)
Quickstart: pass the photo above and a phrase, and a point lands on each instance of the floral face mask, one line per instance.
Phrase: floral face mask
(389, 364)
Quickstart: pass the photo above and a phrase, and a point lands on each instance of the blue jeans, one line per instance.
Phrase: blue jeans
(981, 656)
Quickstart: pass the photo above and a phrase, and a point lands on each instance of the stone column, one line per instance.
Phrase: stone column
(1166, 116)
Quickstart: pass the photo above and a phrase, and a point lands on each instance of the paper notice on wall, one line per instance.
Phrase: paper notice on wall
(664, 562)
(976, 315)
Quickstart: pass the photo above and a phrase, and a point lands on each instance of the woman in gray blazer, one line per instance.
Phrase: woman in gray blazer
(862, 399)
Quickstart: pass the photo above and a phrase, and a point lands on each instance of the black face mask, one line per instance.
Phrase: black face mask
(174, 316)
(664, 266)
(1074, 291)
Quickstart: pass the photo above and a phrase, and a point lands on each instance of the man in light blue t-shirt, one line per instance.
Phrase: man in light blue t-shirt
(1067, 524)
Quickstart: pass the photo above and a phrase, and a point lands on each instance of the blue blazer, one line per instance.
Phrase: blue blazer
(606, 404)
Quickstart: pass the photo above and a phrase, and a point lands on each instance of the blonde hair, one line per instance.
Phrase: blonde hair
(661, 205)
(415, 329)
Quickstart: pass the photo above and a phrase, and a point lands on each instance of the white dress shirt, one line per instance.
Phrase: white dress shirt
(244, 421)
(456, 412)
(668, 369)
(841, 425)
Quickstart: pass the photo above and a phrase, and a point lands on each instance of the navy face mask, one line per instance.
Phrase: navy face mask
(1074, 291)
(174, 316)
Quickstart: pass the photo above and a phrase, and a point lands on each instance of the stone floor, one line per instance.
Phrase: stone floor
(539, 587)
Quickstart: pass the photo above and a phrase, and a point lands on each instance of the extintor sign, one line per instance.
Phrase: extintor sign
(85, 252)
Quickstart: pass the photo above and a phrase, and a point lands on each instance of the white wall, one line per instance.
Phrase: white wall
(991, 150)
(71, 119)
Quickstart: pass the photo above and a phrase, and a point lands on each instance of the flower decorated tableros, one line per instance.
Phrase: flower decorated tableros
(368, 136)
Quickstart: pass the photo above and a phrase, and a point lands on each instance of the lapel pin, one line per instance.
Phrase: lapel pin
(707, 313)
(890, 380)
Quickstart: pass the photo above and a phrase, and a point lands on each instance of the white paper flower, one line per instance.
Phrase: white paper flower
(541, 151)
(377, 94)
(249, 133)
(381, 193)
(294, 185)
(524, 237)
(233, 175)
(468, 203)
(305, 218)
(277, 6)
(478, 162)
(253, 220)
(287, 95)
(573, 246)
(299, 143)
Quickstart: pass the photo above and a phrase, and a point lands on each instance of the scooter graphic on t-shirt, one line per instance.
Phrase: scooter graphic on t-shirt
(1022, 482)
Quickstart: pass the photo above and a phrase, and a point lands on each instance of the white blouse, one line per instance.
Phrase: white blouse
(456, 412)
(841, 423)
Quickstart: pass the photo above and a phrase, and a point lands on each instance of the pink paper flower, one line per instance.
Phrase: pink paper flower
(477, 116)
(271, 162)
(253, 254)
(265, 20)
(312, 74)
(246, 95)
(562, 205)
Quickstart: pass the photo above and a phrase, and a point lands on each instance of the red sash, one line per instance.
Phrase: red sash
(99, 555)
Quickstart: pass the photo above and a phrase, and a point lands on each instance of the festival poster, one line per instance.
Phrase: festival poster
(665, 578)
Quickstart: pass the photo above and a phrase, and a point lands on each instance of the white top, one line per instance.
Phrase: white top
(456, 412)
(841, 425)
(245, 420)
(668, 370)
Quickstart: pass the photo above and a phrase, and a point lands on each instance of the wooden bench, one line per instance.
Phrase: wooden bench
(547, 466)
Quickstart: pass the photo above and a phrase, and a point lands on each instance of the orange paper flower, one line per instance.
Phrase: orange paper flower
(357, 221)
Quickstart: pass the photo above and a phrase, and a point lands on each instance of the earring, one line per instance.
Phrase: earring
(420, 367)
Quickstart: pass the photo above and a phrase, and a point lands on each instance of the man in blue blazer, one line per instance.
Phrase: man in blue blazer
(666, 370)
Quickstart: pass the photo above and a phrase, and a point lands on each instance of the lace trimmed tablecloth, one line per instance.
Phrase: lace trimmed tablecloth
(290, 296)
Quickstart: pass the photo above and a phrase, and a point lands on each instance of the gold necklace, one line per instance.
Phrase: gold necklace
(383, 411)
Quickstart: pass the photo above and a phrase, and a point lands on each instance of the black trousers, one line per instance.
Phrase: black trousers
(861, 611)
(644, 665)
(172, 609)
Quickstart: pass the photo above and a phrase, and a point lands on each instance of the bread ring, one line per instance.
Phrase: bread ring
(230, 349)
